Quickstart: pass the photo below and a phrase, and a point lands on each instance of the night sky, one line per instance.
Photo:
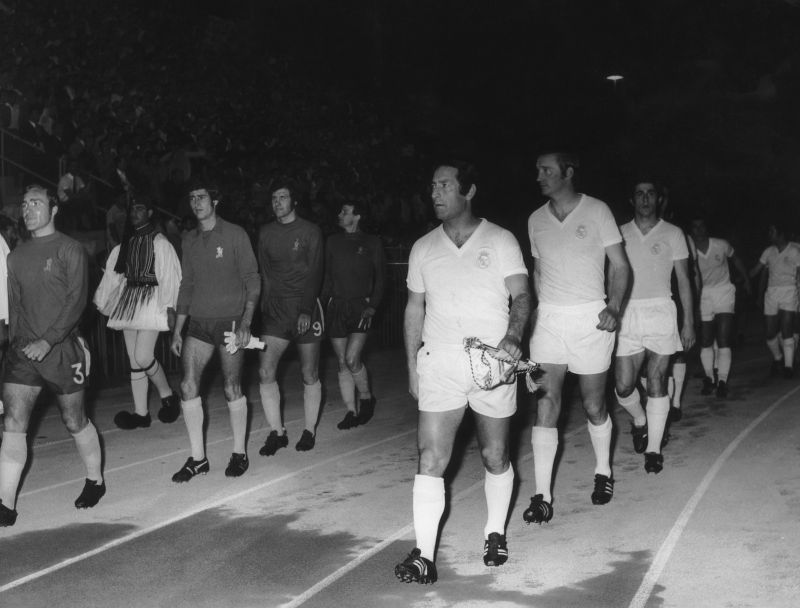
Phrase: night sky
(709, 98)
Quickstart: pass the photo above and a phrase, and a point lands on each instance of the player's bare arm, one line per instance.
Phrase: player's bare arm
(619, 274)
(176, 343)
(519, 313)
(243, 329)
(687, 302)
(412, 332)
(742, 270)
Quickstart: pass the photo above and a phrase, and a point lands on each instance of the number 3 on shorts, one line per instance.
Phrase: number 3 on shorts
(78, 376)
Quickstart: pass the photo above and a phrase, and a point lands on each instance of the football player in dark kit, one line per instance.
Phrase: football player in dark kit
(355, 275)
(48, 281)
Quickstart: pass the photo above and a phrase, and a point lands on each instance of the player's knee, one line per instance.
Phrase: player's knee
(495, 458)
(595, 410)
(266, 376)
(310, 376)
(188, 390)
(624, 389)
(75, 423)
(432, 462)
(354, 363)
(232, 390)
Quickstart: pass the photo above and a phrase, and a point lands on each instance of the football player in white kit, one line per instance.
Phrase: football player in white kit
(780, 261)
(466, 278)
(648, 333)
(717, 304)
(571, 236)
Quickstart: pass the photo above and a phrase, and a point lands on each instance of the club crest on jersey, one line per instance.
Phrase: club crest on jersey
(484, 259)
(581, 232)
(360, 250)
(656, 248)
(219, 252)
(297, 245)
(48, 265)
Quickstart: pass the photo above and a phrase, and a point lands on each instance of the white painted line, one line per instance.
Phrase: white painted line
(351, 565)
(191, 512)
(131, 465)
(667, 547)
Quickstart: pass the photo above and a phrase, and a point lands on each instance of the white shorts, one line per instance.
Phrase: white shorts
(446, 383)
(649, 323)
(716, 301)
(569, 335)
(783, 297)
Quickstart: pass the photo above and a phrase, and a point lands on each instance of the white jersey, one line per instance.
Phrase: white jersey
(465, 290)
(4, 251)
(782, 265)
(652, 257)
(713, 264)
(571, 254)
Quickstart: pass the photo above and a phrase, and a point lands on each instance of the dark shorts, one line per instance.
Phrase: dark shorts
(64, 370)
(343, 317)
(211, 331)
(279, 319)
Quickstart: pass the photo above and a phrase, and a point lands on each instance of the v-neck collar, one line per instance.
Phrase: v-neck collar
(642, 235)
(567, 217)
(459, 250)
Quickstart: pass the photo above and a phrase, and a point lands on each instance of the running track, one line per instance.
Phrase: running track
(720, 526)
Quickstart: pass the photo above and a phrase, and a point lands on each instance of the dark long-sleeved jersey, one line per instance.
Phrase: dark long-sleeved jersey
(290, 256)
(48, 283)
(220, 272)
(355, 267)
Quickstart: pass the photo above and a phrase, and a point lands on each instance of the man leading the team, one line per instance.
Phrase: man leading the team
(461, 277)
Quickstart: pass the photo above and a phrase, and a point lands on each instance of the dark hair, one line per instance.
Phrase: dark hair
(564, 160)
(284, 183)
(360, 208)
(466, 174)
(200, 182)
(51, 197)
(648, 179)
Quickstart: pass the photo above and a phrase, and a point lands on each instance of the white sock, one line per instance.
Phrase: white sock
(679, 377)
(193, 418)
(139, 386)
(774, 345)
(544, 441)
(788, 352)
(497, 489)
(347, 387)
(237, 410)
(601, 442)
(633, 407)
(362, 382)
(724, 363)
(428, 509)
(707, 359)
(657, 414)
(13, 456)
(312, 398)
(88, 444)
(271, 402)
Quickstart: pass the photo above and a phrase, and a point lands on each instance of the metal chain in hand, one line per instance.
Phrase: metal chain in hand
(520, 367)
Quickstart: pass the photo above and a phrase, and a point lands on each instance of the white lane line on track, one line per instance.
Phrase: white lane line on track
(371, 552)
(661, 558)
(131, 465)
(191, 512)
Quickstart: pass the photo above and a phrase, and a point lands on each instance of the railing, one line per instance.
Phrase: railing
(110, 360)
